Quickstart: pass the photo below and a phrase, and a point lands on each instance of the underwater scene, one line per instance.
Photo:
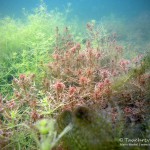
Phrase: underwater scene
(74, 74)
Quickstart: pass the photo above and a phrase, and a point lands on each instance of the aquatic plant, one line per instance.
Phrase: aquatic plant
(103, 80)
(89, 131)
(62, 89)
(27, 43)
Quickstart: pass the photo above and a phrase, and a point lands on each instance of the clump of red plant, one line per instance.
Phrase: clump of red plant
(98, 75)
(91, 68)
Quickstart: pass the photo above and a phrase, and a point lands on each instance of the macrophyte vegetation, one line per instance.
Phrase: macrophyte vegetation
(60, 90)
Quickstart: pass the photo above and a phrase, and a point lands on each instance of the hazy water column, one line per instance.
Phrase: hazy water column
(85, 9)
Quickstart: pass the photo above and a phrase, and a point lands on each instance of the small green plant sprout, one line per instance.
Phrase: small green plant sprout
(48, 135)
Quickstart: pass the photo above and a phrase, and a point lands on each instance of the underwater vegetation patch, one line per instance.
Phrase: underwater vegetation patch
(70, 91)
